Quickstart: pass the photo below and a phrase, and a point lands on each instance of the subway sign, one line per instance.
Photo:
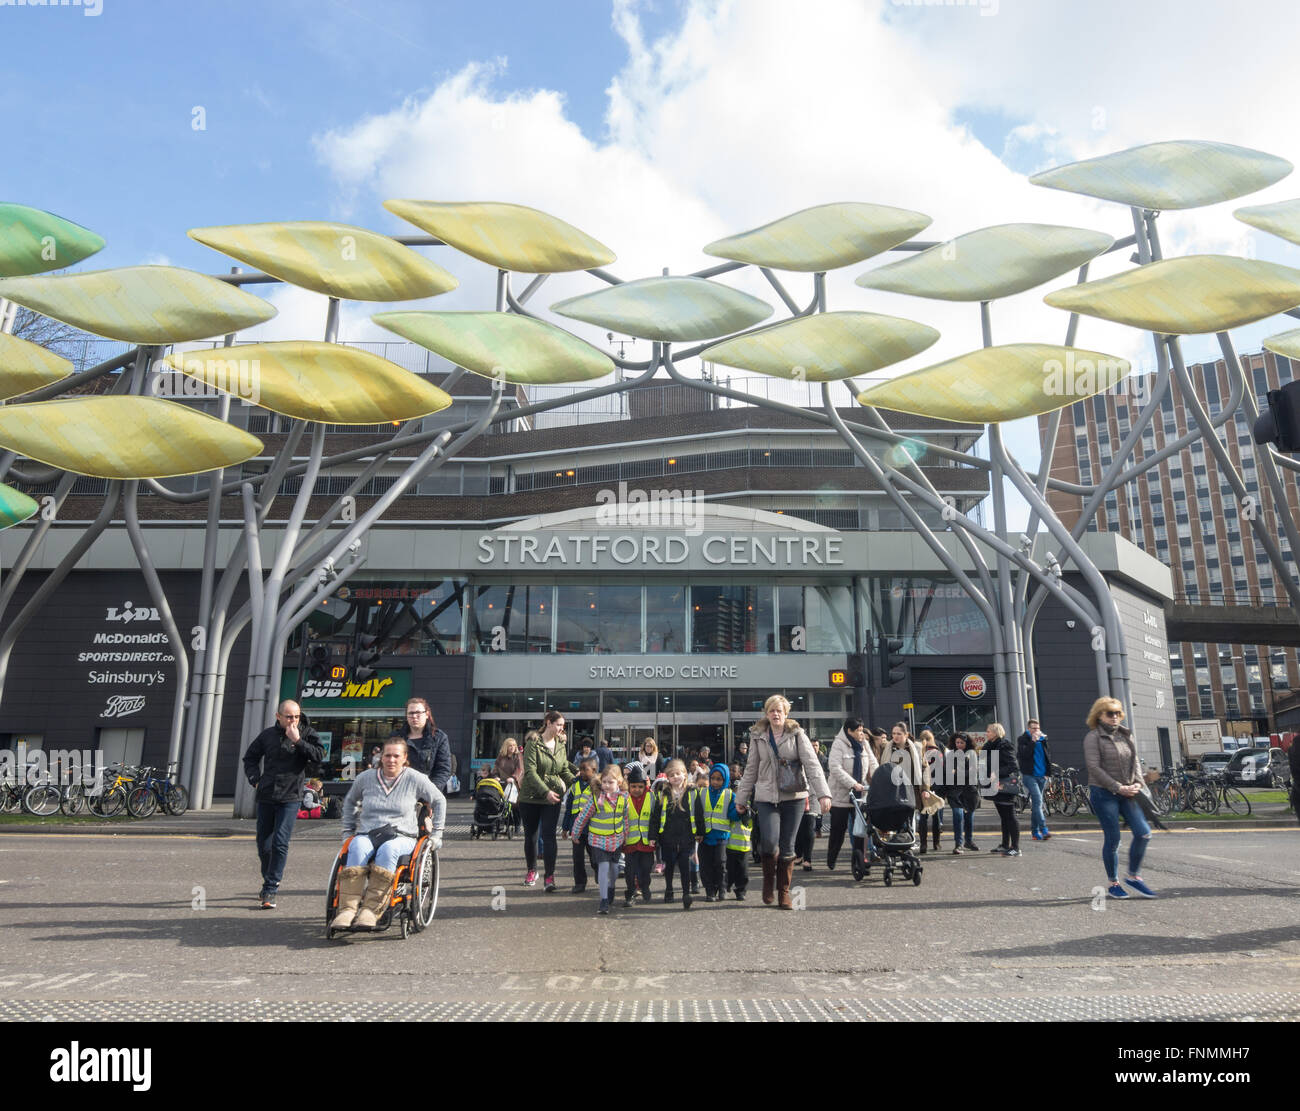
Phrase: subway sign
(388, 690)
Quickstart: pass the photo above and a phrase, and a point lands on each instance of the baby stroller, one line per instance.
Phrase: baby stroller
(493, 809)
(884, 827)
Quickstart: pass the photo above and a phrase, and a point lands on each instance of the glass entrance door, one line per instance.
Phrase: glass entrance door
(625, 733)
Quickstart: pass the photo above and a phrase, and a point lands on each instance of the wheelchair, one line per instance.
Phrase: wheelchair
(413, 898)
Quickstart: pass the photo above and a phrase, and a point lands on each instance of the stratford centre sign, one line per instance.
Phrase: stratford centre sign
(760, 550)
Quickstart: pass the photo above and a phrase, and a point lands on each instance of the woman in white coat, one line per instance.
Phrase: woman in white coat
(852, 763)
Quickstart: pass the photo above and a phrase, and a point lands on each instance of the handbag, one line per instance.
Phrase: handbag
(790, 778)
(383, 834)
(1008, 785)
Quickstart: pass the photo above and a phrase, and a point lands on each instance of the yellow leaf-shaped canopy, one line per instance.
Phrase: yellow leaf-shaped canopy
(996, 384)
(15, 506)
(667, 309)
(123, 437)
(1187, 296)
(990, 263)
(335, 259)
(508, 236)
(1178, 174)
(142, 304)
(822, 238)
(501, 346)
(312, 380)
(27, 366)
(825, 347)
(1285, 343)
(33, 241)
(1281, 219)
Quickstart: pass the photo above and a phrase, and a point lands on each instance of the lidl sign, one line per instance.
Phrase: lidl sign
(387, 690)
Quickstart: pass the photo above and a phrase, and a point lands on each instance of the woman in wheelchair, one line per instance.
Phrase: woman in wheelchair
(382, 804)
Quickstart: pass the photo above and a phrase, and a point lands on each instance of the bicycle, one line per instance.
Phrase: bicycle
(151, 792)
(1234, 798)
(42, 799)
(112, 800)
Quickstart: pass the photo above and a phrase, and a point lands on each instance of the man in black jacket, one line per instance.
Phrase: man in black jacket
(430, 752)
(276, 764)
(1035, 760)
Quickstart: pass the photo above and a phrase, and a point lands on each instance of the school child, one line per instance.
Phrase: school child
(577, 794)
(715, 799)
(639, 852)
(701, 782)
(680, 825)
(659, 787)
(604, 817)
(742, 835)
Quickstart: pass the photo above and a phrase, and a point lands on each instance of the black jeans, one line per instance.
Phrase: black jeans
(738, 870)
(679, 858)
(581, 854)
(803, 841)
(926, 820)
(543, 815)
(713, 867)
(638, 868)
(841, 817)
(1010, 826)
(275, 821)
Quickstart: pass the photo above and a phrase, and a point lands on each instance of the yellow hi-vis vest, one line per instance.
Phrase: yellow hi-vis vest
(606, 821)
(740, 833)
(688, 800)
(578, 797)
(715, 817)
(638, 825)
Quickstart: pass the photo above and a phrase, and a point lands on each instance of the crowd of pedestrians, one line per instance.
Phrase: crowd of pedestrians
(695, 822)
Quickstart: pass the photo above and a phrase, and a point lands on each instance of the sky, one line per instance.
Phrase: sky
(654, 125)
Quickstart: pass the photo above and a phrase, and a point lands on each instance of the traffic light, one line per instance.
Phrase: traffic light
(319, 668)
(891, 661)
(367, 656)
(1279, 424)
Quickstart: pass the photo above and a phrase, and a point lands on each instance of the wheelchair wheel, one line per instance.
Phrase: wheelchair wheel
(424, 895)
(406, 927)
(331, 895)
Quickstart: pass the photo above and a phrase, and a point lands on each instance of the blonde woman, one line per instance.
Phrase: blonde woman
(510, 768)
(778, 749)
(1114, 782)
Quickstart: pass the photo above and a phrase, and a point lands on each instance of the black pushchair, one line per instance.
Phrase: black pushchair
(493, 808)
(884, 827)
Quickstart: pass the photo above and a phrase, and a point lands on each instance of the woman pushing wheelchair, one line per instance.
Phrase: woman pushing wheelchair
(382, 806)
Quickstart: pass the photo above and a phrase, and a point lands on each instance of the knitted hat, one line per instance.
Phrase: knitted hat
(636, 774)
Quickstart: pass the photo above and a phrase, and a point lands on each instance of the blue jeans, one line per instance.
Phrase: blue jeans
(962, 823)
(1034, 785)
(1108, 809)
(274, 828)
(361, 851)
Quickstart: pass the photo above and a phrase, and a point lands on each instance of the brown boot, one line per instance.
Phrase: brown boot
(784, 877)
(352, 884)
(376, 900)
(769, 880)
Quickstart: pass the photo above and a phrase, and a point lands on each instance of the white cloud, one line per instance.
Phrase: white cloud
(748, 111)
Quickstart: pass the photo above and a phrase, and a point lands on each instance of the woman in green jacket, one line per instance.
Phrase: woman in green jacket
(547, 775)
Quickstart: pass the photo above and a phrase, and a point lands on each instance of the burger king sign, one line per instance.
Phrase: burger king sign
(973, 686)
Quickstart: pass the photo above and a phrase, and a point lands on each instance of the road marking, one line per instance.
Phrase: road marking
(1081, 840)
(1216, 859)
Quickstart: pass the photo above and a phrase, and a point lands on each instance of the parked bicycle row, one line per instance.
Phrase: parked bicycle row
(137, 791)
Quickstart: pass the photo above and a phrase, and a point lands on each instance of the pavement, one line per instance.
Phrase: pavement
(157, 920)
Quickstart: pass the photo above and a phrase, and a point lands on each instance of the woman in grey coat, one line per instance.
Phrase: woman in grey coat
(381, 805)
(777, 741)
(1114, 782)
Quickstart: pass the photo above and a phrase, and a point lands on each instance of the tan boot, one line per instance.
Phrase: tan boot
(784, 877)
(769, 880)
(352, 885)
(373, 905)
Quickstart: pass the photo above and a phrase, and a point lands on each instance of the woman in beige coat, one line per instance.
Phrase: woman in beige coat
(777, 741)
(850, 752)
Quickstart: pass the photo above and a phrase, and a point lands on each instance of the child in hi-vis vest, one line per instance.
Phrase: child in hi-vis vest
(604, 818)
(738, 845)
(679, 825)
(639, 852)
(715, 801)
(577, 794)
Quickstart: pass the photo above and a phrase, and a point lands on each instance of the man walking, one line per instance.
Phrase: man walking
(276, 764)
(1035, 760)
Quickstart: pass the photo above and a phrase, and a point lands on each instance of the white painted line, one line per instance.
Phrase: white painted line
(1216, 859)
(1081, 840)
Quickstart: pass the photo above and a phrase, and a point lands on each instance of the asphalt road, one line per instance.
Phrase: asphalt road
(166, 926)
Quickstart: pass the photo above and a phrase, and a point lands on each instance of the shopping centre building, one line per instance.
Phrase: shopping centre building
(657, 571)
